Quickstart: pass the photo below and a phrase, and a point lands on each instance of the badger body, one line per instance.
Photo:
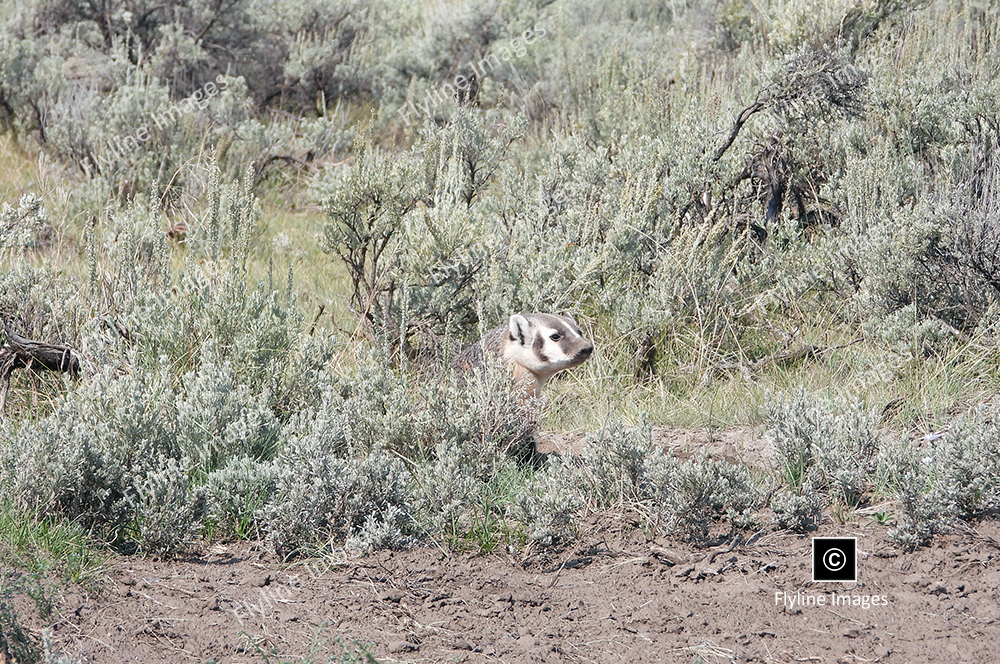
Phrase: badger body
(535, 346)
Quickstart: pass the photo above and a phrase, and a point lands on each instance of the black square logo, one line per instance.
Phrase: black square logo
(835, 559)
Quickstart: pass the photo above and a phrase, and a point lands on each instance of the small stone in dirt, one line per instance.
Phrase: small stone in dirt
(667, 556)
(127, 580)
(938, 589)
(260, 580)
(461, 644)
(396, 647)
(852, 633)
(392, 595)
(211, 604)
(527, 641)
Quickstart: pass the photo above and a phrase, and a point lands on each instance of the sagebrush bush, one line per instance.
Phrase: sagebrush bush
(949, 478)
(615, 462)
(236, 493)
(704, 490)
(815, 446)
(19, 226)
(547, 505)
(966, 463)
(168, 509)
(797, 510)
(218, 419)
(448, 483)
(480, 410)
(127, 120)
(473, 434)
(14, 642)
(323, 498)
(81, 461)
(622, 468)
(41, 304)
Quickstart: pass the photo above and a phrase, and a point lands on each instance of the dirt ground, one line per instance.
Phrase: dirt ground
(616, 596)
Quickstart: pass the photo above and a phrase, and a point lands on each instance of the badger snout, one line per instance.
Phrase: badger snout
(585, 352)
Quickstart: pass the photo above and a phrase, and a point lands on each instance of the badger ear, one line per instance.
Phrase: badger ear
(519, 327)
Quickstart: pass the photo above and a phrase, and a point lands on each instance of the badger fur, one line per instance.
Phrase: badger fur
(535, 346)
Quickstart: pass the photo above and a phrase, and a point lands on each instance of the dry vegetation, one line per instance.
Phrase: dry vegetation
(257, 232)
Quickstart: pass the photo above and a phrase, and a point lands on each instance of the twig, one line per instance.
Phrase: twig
(741, 119)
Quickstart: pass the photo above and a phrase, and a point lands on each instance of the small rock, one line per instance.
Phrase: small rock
(667, 556)
(401, 646)
(392, 595)
(526, 598)
(260, 580)
(527, 641)
(852, 633)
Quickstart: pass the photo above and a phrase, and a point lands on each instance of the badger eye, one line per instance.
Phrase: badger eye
(555, 336)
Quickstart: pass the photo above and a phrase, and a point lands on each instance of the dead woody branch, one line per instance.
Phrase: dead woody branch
(22, 353)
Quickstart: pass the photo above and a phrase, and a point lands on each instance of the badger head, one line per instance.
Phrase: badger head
(544, 344)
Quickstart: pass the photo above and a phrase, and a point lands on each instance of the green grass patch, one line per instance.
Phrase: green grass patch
(50, 547)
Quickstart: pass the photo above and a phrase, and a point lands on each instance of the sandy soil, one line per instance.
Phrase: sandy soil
(614, 597)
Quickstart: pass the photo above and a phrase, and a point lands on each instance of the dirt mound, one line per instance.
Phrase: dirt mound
(618, 598)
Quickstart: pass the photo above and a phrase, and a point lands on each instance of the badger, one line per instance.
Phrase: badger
(535, 346)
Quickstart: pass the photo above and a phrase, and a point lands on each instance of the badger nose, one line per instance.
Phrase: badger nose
(585, 352)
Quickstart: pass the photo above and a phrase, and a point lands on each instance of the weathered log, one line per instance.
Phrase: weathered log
(22, 353)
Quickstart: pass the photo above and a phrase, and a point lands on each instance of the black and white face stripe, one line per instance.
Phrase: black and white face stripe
(538, 346)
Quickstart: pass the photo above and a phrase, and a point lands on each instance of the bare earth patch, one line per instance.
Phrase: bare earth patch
(739, 445)
(615, 596)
